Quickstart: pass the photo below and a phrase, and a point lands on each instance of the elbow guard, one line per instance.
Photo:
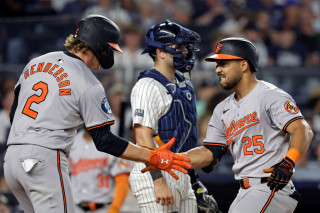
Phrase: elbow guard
(106, 141)
(217, 152)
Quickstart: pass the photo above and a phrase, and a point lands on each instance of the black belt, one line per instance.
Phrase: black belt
(244, 183)
(90, 206)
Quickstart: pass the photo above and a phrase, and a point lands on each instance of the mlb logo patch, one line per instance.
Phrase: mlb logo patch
(105, 106)
(139, 112)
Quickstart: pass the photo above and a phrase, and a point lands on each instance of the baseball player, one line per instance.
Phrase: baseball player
(163, 105)
(55, 95)
(99, 181)
(261, 126)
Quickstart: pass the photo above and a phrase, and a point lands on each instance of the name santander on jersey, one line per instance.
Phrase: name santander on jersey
(55, 70)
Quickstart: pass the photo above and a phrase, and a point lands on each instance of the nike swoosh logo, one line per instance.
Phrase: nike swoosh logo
(224, 111)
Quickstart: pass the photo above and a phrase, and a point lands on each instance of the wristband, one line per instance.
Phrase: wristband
(293, 154)
(155, 173)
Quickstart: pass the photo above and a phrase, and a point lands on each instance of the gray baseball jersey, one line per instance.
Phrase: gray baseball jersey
(58, 94)
(151, 96)
(93, 172)
(254, 130)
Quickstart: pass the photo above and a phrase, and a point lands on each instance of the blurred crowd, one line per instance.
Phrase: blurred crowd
(286, 33)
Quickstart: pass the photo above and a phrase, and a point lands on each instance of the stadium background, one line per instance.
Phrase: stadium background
(286, 33)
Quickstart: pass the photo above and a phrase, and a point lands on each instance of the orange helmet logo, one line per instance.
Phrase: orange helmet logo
(218, 47)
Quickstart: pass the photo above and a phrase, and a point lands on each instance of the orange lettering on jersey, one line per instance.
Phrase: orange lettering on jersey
(40, 66)
(58, 72)
(236, 127)
(54, 66)
(64, 92)
(26, 74)
(64, 83)
(32, 69)
(64, 75)
(83, 165)
(47, 67)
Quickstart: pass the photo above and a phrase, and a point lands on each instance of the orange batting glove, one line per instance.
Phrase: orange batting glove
(166, 160)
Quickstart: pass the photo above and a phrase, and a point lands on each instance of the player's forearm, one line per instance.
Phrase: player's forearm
(301, 138)
(200, 157)
(136, 153)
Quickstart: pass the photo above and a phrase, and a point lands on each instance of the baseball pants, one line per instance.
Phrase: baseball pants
(258, 198)
(39, 179)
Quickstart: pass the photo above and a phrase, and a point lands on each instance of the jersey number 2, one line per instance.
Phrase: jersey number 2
(35, 98)
(256, 144)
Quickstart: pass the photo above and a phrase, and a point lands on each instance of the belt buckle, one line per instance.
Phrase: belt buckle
(92, 206)
(246, 184)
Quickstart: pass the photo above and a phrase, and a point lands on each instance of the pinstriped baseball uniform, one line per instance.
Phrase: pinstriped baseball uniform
(150, 100)
(58, 94)
(254, 130)
(93, 172)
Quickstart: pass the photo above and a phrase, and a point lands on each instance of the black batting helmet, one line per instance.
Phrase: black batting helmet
(236, 48)
(102, 35)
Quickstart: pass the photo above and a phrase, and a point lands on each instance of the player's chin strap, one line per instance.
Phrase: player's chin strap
(205, 203)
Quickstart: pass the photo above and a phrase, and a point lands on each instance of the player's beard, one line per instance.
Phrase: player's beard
(230, 82)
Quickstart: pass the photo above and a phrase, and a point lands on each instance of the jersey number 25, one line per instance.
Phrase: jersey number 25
(257, 145)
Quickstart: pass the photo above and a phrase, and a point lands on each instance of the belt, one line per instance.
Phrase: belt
(245, 184)
(90, 206)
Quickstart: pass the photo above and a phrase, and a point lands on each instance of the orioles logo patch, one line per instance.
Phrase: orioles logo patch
(291, 107)
(218, 47)
(105, 106)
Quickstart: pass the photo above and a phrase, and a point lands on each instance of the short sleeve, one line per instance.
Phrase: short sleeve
(149, 101)
(94, 107)
(215, 131)
(121, 166)
(282, 108)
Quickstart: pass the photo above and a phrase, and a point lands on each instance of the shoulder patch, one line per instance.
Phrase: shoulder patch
(123, 164)
(291, 107)
(105, 106)
(139, 112)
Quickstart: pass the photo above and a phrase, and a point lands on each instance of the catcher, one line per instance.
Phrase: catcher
(163, 105)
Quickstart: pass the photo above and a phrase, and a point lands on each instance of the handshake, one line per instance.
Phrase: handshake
(162, 158)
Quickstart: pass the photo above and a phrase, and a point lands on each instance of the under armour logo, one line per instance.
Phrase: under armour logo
(165, 161)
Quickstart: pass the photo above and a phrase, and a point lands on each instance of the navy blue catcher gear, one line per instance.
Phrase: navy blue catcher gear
(102, 35)
(168, 33)
(236, 48)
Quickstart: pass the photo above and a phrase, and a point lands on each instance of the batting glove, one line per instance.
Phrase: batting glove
(281, 174)
(206, 203)
(166, 160)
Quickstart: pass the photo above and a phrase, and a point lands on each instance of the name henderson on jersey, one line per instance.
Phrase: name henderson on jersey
(46, 69)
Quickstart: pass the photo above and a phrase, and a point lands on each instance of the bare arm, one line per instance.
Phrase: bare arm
(200, 157)
(301, 135)
(136, 153)
(162, 191)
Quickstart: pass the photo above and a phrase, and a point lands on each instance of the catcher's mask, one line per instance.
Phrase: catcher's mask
(168, 33)
(102, 35)
(236, 48)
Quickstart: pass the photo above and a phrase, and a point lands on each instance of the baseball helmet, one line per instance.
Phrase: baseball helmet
(236, 48)
(167, 33)
(102, 35)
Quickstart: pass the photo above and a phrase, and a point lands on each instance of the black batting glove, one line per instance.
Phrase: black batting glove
(206, 203)
(281, 174)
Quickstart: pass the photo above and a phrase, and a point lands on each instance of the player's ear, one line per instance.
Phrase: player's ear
(160, 53)
(244, 65)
